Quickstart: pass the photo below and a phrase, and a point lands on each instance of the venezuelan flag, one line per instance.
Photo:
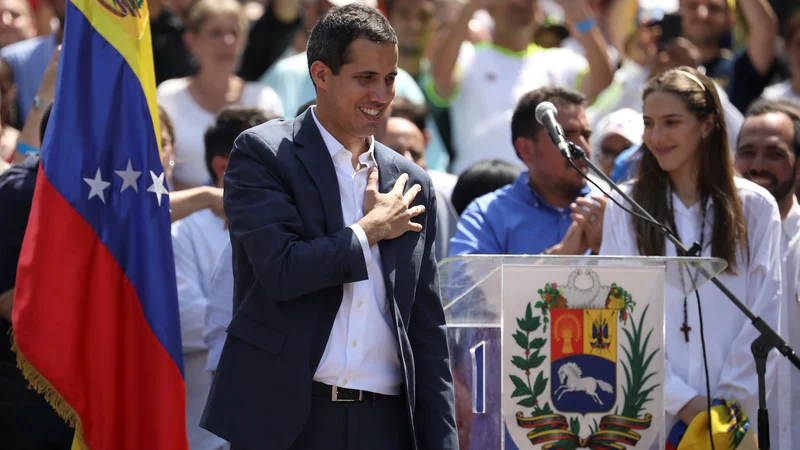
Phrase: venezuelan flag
(95, 316)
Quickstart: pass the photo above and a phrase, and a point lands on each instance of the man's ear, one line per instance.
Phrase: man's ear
(524, 148)
(320, 74)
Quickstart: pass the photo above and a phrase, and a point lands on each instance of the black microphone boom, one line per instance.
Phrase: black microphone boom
(546, 114)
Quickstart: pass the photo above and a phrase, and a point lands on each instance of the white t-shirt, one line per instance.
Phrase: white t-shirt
(196, 242)
(492, 80)
(757, 284)
(784, 402)
(190, 122)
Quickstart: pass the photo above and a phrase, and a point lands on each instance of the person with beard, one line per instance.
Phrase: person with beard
(767, 154)
(532, 215)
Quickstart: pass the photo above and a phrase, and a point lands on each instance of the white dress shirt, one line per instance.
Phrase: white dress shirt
(784, 403)
(220, 306)
(362, 351)
(731, 365)
(196, 242)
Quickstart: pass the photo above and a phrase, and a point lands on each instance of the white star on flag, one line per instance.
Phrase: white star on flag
(97, 186)
(129, 177)
(158, 186)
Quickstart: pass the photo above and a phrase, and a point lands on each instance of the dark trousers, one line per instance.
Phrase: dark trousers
(382, 424)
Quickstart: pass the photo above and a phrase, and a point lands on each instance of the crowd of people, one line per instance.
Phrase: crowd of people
(695, 104)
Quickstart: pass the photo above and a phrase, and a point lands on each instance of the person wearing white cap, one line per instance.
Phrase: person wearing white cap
(616, 133)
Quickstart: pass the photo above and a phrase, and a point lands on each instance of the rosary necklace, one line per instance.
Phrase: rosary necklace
(685, 328)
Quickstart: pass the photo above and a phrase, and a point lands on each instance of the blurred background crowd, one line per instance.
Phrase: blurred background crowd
(223, 66)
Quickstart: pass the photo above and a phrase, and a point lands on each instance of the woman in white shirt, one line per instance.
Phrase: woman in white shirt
(215, 35)
(686, 181)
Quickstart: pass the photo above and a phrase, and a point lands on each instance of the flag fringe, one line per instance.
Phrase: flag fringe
(50, 394)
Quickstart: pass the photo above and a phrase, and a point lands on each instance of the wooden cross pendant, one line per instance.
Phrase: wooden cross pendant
(686, 329)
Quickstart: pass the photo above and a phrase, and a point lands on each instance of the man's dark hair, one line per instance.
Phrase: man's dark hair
(417, 114)
(330, 39)
(43, 123)
(523, 122)
(230, 123)
(791, 110)
(480, 179)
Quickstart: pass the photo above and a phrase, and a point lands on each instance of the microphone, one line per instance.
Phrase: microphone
(546, 114)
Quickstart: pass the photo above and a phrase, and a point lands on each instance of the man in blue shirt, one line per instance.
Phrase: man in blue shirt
(550, 208)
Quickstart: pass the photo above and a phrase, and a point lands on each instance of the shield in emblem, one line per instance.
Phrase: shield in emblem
(583, 355)
(583, 365)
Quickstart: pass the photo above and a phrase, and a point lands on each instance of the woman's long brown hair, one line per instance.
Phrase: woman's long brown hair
(716, 174)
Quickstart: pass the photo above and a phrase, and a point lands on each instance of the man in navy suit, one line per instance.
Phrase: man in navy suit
(338, 334)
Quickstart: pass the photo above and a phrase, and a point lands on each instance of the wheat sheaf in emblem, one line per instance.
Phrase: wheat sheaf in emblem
(584, 351)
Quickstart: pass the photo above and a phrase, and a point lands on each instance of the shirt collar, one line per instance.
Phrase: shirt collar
(522, 184)
(334, 146)
(791, 224)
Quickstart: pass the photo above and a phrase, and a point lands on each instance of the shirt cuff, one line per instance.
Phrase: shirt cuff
(362, 238)
(676, 393)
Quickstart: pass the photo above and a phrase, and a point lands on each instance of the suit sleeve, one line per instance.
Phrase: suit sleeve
(435, 406)
(264, 221)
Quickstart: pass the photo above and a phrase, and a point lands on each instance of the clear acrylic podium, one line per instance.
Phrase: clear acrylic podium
(561, 352)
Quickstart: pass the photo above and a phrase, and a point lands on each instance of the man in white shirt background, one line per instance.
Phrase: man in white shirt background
(767, 154)
(197, 240)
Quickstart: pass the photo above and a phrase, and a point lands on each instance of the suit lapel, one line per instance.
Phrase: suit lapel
(314, 155)
(388, 173)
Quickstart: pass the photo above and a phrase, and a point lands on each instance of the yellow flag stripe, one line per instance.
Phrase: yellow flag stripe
(130, 35)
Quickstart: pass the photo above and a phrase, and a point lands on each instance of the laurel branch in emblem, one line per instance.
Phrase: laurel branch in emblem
(554, 430)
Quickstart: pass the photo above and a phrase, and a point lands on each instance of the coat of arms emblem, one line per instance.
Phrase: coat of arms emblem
(585, 368)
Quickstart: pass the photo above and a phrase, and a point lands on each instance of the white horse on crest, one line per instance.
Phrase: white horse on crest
(571, 381)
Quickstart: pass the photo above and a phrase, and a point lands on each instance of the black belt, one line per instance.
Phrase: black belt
(340, 394)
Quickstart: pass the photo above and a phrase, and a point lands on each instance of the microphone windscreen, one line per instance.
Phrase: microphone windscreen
(542, 109)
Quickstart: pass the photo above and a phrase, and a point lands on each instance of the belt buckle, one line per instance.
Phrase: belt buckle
(335, 395)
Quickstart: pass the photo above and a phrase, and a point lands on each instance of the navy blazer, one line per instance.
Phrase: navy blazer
(292, 253)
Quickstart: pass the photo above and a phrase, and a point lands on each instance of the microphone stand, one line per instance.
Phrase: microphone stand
(761, 346)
